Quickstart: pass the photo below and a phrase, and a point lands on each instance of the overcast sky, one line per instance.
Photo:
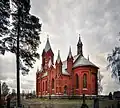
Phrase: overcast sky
(98, 22)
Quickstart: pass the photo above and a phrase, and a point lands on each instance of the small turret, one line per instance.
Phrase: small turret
(58, 64)
(58, 61)
(79, 47)
(69, 61)
(47, 46)
(70, 54)
(88, 57)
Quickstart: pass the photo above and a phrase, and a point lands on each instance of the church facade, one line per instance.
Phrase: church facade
(74, 76)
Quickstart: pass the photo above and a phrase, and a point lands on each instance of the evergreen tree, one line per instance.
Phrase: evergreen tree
(28, 28)
(4, 21)
(24, 38)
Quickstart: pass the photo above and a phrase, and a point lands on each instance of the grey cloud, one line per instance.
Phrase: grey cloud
(28, 85)
(40, 7)
(8, 73)
(109, 85)
(12, 83)
(96, 20)
(24, 83)
(7, 67)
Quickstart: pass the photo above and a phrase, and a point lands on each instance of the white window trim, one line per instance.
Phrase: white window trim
(85, 89)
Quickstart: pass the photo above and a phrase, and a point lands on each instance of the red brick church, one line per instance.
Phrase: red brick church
(74, 76)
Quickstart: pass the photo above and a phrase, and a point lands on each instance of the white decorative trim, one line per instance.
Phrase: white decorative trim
(53, 95)
(76, 89)
(86, 95)
(60, 95)
(85, 89)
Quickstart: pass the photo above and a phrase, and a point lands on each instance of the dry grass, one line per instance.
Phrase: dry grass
(59, 101)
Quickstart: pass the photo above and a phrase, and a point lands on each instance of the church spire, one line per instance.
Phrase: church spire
(88, 57)
(79, 41)
(70, 53)
(47, 46)
(58, 58)
(79, 47)
(69, 61)
(47, 53)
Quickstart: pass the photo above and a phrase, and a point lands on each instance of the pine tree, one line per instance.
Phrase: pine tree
(4, 21)
(24, 38)
(29, 30)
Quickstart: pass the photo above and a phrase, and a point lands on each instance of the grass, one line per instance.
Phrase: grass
(60, 101)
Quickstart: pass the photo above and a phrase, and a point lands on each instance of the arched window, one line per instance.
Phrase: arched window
(84, 81)
(46, 85)
(77, 81)
(39, 87)
(60, 89)
(52, 83)
(43, 86)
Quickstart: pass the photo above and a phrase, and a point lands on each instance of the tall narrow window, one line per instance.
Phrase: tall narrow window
(77, 81)
(52, 83)
(65, 89)
(46, 85)
(43, 86)
(60, 89)
(39, 87)
(84, 81)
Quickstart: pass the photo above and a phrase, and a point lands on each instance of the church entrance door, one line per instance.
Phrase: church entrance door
(65, 89)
